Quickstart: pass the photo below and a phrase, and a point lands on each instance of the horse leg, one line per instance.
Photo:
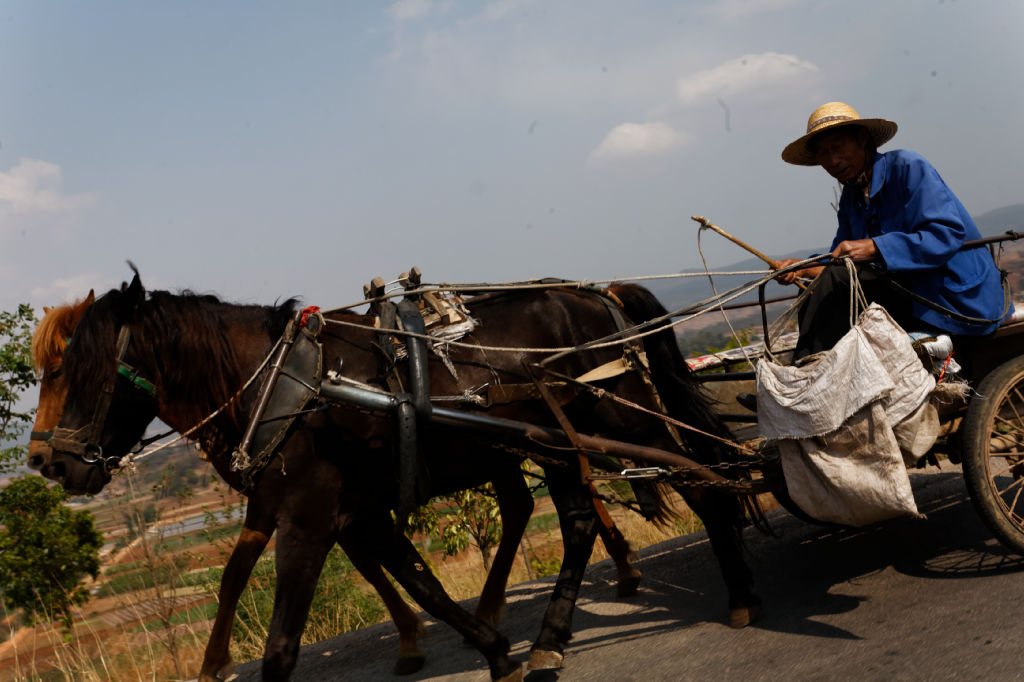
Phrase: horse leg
(618, 549)
(722, 516)
(251, 542)
(375, 532)
(300, 553)
(515, 504)
(410, 656)
(578, 520)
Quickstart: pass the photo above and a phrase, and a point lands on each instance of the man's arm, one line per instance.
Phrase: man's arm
(793, 275)
(932, 228)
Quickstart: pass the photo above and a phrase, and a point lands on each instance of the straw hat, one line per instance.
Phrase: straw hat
(834, 115)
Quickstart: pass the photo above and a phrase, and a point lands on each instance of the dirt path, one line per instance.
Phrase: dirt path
(909, 599)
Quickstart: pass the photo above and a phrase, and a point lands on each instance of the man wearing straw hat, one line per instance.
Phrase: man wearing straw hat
(897, 210)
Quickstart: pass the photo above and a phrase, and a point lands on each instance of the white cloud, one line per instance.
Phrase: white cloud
(410, 10)
(35, 186)
(69, 289)
(495, 11)
(637, 139)
(745, 73)
(734, 9)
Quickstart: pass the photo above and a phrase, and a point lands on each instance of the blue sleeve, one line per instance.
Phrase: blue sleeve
(927, 229)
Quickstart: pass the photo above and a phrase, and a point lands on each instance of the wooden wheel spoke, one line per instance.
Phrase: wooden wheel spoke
(999, 419)
(993, 427)
(1008, 402)
(1020, 399)
(1016, 484)
(1003, 471)
(1013, 505)
(1007, 453)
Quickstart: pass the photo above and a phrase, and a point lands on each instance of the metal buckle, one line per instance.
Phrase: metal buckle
(645, 472)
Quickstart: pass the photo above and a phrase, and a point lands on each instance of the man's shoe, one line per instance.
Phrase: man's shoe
(747, 400)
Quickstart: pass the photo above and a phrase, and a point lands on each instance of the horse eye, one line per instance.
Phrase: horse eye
(53, 373)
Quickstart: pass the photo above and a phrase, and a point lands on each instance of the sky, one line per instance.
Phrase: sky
(260, 150)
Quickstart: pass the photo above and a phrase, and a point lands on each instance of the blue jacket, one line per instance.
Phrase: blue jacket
(918, 225)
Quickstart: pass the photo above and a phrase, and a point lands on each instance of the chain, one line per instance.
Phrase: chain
(675, 476)
(631, 506)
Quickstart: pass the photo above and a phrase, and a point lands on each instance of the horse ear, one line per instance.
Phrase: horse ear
(91, 298)
(46, 310)
(134, 293)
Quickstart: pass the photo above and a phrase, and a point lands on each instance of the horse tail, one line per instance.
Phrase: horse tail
(683, 396)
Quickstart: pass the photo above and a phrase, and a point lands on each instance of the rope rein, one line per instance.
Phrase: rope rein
(524, 285)
(131, 458)
(688, 313)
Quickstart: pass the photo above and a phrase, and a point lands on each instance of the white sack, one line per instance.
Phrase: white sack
(817, 398)
(853, 476)
(893, 348)
(833, 420)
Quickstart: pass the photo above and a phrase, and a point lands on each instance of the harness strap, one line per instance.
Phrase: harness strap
(132, 375)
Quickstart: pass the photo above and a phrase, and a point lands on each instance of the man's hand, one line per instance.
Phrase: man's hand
(792, 276)
(856, 248)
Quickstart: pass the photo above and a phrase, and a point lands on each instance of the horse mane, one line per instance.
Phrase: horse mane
(52, 333)
(183, 336)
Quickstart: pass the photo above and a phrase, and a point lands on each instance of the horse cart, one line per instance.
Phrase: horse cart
(981, 427)
(335, 435)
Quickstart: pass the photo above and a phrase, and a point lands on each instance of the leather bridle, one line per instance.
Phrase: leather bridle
(83, 443)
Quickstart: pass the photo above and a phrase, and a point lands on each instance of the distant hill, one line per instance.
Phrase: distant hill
(1000, 220)
(676, 294)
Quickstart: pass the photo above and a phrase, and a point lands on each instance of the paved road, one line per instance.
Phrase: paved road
(908, 599)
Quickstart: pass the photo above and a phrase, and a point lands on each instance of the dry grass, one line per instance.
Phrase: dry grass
(160, 634)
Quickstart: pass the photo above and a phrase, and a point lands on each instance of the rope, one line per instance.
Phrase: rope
(858, 301)
(782, 321)
(711, 281)
(522, 285)
(132, 458)
(603, 342)
(603, 393)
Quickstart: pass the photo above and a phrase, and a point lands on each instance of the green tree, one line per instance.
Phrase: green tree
(46, 550)
(463, 518)
(16, 374)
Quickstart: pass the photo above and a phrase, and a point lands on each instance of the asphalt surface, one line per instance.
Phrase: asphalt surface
(930, 598)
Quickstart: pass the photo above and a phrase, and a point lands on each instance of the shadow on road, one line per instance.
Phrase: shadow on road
(807, 576)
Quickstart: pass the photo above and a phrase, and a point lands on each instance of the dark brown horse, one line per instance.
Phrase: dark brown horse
(48, 344)
(333, 479)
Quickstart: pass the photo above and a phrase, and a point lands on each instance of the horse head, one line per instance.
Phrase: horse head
(48, 343)
(108, 403)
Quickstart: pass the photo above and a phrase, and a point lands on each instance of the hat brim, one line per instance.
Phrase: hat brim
(799, 151)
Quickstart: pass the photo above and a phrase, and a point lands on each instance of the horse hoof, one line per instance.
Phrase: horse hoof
(409, 664)
(628, 584)
(542, 659)
(514, 676)
(743, 616)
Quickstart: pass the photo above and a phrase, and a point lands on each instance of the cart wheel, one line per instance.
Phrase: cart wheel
(993, 452)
